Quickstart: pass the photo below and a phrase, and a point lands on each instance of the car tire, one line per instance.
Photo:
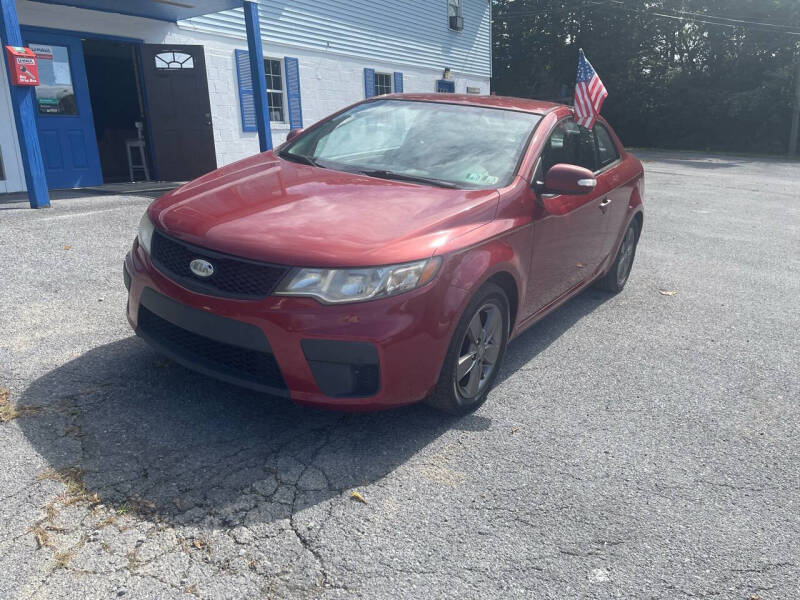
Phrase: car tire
(620, 270)
(461, 388)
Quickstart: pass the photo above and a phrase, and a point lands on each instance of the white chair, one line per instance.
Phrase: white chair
(140, 144)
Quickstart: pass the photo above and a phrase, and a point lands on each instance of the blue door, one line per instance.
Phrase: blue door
(66, 126)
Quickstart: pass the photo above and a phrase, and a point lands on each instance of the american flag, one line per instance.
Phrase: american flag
(589, 93)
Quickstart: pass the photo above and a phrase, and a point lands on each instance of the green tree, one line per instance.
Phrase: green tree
(693, 74)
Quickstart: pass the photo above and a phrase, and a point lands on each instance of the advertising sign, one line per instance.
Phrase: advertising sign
(55, 95)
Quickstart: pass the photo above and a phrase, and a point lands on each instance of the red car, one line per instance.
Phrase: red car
(388, 253)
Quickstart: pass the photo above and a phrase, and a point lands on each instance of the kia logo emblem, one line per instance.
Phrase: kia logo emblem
(201, 268)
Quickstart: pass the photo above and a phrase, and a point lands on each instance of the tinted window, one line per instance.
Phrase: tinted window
(571, 145)
(606, 149)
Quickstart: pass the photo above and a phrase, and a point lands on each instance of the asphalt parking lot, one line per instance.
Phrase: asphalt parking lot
(637, 446)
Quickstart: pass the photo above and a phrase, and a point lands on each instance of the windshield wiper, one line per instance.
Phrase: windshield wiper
(300, 158)
(384, 174)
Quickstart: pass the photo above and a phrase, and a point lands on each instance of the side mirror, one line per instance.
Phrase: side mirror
(568, 179)
(293, 134)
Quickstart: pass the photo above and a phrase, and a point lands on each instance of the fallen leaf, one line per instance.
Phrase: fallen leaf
(357, 496)
(667, 292)
(514, 429)
(67, 247)
(95, 498)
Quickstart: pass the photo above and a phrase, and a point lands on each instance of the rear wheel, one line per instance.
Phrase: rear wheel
(618, 274)
(475, 354)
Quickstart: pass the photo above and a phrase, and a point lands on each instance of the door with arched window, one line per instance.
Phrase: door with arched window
(178, 111)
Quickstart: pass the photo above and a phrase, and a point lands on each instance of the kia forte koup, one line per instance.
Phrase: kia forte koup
(388, 253)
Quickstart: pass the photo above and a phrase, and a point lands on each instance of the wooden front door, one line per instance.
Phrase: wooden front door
(178, 111)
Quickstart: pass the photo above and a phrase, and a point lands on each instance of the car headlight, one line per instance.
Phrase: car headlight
(335, 286)
(145, 232)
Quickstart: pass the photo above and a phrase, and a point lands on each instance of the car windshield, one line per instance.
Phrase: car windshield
(432, 143)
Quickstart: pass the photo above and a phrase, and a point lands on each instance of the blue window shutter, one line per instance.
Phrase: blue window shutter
(369, 83)
(246, 100)
(292, 68)
(398, 82)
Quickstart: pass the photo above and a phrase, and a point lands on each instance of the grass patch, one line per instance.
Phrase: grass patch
(9, 412)
(63, 559)
(138, 506)
(41, 535)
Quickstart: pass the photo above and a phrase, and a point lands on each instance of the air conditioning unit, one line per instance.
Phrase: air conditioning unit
(456, 23)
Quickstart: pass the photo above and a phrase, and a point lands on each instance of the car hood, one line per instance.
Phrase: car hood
(269, 209)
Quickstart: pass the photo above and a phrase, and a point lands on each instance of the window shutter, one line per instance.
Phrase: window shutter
(292, 68)
(246, 100)
(398, 82)
(369, 83)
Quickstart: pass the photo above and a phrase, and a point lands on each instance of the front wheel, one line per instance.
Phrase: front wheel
(618, 274)
(475, 353)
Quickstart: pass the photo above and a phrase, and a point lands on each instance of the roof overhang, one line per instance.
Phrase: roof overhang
(162, 10)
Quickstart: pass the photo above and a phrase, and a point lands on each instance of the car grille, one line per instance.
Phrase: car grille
(233, 277)
(242, 363)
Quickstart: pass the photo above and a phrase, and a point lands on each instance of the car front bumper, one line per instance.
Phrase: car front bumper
(359, 356)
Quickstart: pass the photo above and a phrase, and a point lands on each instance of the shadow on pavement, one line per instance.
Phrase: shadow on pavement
(537, 338)
(178, 447)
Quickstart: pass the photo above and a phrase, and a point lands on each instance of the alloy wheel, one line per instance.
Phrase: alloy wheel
(480, 349)
(626, 257)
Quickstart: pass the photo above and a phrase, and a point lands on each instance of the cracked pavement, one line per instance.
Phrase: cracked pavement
(643, 445)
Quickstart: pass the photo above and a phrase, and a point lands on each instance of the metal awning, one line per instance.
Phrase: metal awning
(163, 10)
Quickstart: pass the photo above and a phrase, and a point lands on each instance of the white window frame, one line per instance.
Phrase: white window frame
(391, 82)
(282, 91)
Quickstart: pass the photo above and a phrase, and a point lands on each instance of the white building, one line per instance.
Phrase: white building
(188, 80)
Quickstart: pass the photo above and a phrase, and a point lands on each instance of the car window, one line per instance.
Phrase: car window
(469, 146)
(571, 145)
(358, 136)
(606, 149)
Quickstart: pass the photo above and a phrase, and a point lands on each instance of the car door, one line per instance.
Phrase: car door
(610, 183)
(569, 230)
